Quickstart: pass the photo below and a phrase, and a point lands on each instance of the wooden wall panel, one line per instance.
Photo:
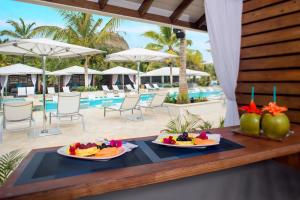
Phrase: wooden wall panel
(270, 54)
(281, 22)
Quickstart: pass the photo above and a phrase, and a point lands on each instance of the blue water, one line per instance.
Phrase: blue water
(200, 94)
(99, 102)
(93, 103)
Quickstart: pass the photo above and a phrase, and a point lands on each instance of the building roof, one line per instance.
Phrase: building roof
(165, 71)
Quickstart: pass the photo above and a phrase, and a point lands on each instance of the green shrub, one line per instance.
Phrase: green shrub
(170, 99)
(183, 98)
(86, 89)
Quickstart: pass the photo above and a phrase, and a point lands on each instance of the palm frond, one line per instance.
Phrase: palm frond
(9, 33)
(155, 47)
(8, 162)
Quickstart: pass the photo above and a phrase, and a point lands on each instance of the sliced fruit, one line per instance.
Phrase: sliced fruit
(108, 152)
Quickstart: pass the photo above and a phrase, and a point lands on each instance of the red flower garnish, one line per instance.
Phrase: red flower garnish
(115, 143)
(251, 108)
(202, 136)
(274, 109)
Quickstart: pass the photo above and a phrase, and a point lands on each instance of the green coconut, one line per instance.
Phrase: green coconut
(275, 126)
(250, 123)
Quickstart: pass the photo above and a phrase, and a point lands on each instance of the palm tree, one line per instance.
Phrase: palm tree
(21, 30)
(82, 29)
(165, 40)
(183, 87)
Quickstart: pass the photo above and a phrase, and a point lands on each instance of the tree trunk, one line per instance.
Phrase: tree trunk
(86, 76)
(171, 74)
(183, 86)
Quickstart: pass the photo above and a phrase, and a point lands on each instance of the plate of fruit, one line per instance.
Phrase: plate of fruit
(188, 140)
(93, 151)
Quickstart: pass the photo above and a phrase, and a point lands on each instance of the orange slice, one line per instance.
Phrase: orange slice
(108, 152)
(198, 141)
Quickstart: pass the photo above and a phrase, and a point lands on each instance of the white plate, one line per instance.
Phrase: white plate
(215, 137)
(63, 151)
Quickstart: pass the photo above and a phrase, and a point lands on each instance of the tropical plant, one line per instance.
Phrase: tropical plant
(82, 29)
(21, 30)
(183, 123)
(164, 40)
(194, 59)
(8, 162)
(221, 123)
(187, 123)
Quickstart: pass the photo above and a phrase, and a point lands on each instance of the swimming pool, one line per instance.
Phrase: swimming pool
(95, 103)
(103, 101)
(200, 94)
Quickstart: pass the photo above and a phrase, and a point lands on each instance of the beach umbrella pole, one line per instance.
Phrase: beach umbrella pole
(45, 131)
(138, 76)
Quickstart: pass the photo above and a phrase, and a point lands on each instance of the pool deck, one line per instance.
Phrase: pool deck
(111, 127)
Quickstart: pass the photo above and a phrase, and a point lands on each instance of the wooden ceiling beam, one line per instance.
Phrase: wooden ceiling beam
(145, 6)
(93, 7)
(102, 3)
(180, 9)
(200, 21)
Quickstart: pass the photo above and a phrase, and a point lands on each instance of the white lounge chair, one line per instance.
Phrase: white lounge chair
(21, 92)
(130, 88)
(51, 90)
(129, 104)
(66, 89)
(149, 87)
(155, 86)
(106, 89)
(68, 106)
(116, 88)
(30, 91)
(156, 102)
(17, 112)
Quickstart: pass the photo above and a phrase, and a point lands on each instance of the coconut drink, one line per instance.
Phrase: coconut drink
(250, 121)
(275, 124)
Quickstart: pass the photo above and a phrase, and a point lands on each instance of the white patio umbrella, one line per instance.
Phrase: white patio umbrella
(139, 55)
(44, 48)
(120, 71)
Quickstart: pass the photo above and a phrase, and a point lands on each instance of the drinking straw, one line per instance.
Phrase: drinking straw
(274, 94)
(252, 93)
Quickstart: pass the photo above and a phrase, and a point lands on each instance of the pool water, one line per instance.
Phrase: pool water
(201, 94)
(95, 103)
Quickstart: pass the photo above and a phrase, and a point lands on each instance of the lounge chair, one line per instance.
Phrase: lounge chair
(106, 89)
(116, 88)
(66, 89)
(149, 87)
(17, 112)
(68, 106)
(30, 91)
(157, 101)
(21, 92)
(155, 86)
(130, 88)
(129, 104)
(51, 90)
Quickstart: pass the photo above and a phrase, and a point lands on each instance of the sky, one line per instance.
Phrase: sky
(131, 30)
